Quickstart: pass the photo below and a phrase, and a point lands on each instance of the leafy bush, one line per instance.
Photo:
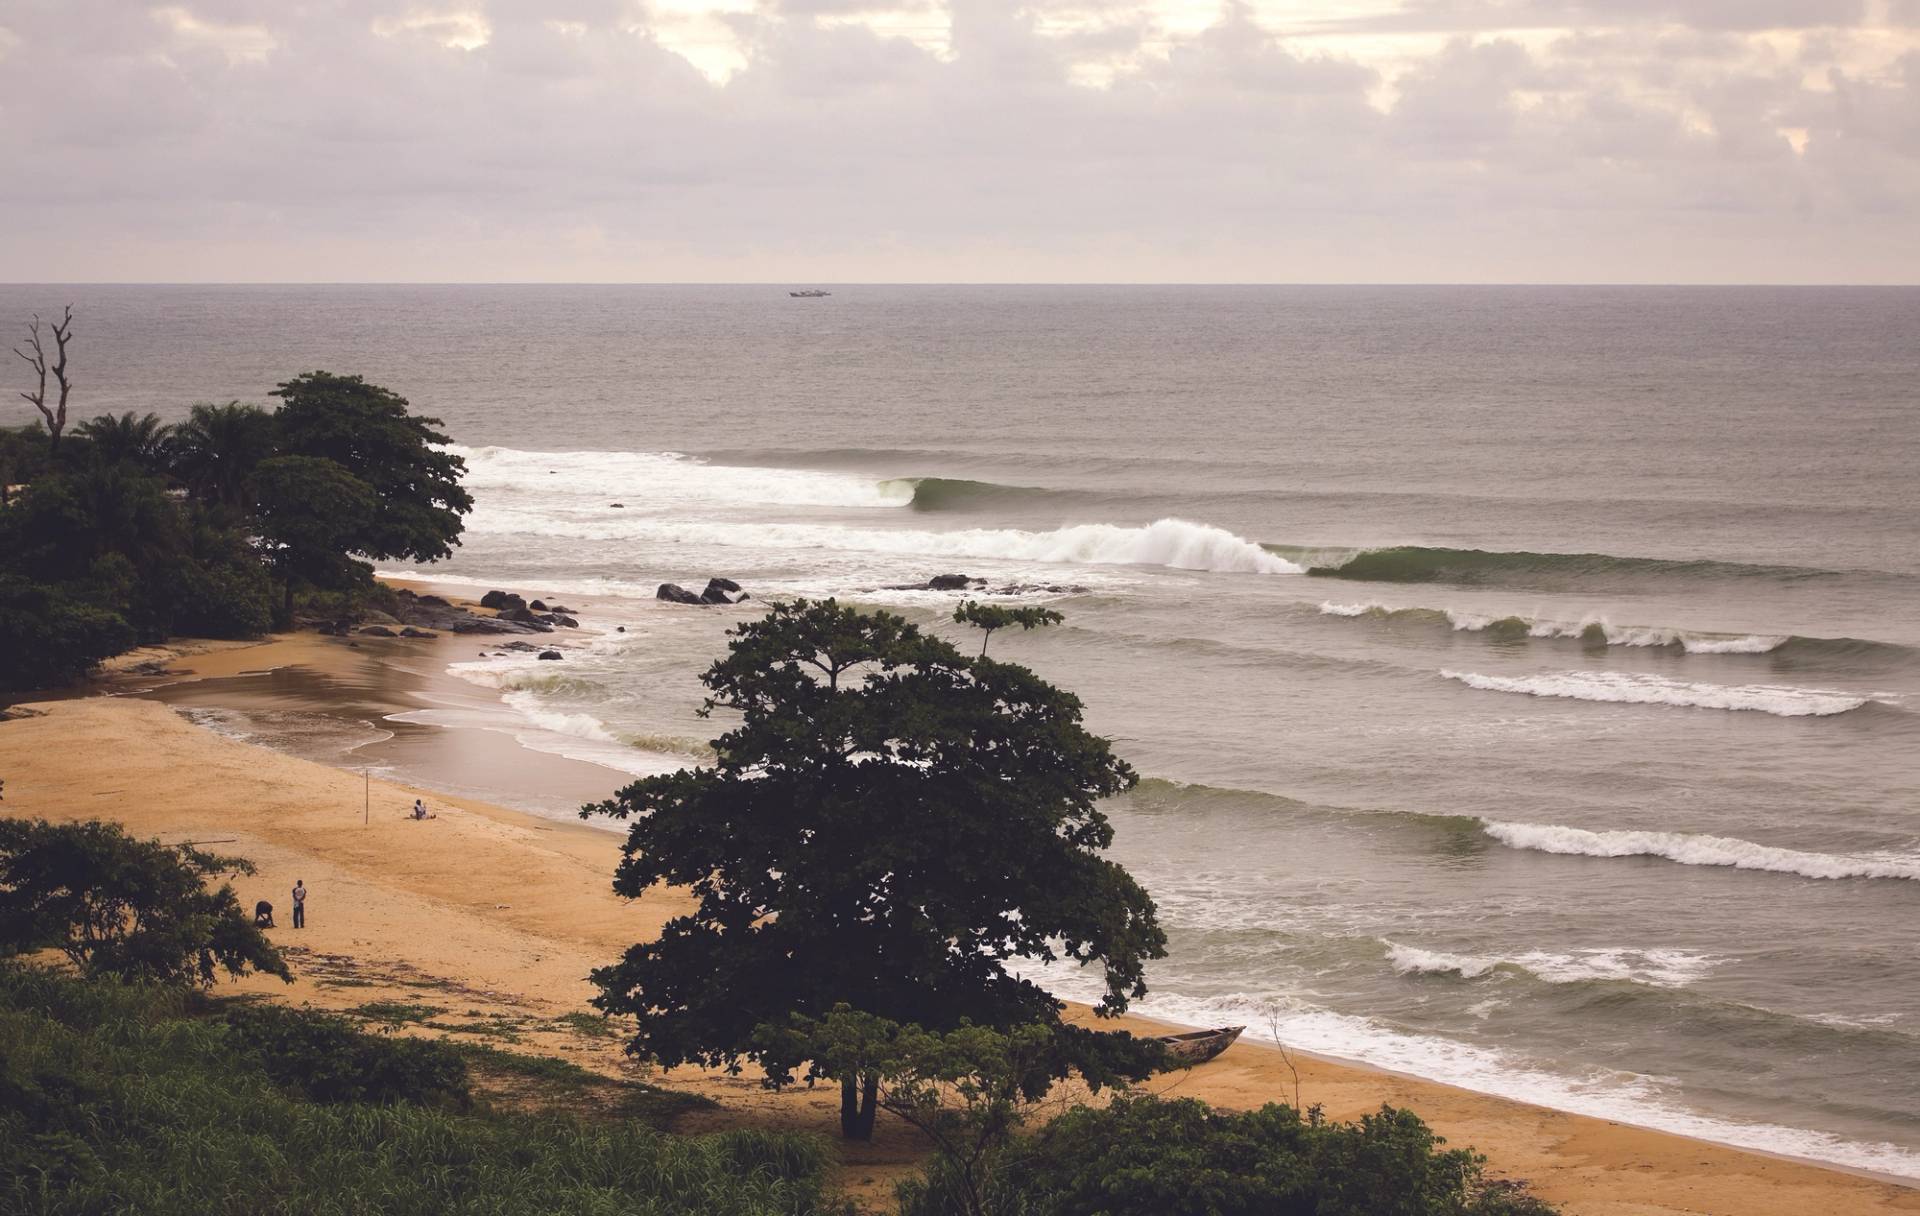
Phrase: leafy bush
(114, 1099)
(1147, 1157)
(133, 909)
(329, 1059)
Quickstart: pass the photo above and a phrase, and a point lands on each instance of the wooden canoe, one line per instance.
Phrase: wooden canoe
(1198, 1046)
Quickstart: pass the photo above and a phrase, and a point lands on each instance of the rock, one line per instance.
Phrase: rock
(494, 599)
(954, 582)
(537, 606)
(432, 601)
(561, 610)
(520, 647)
(619, 628)
(525, 616)
(404, 593)
(485, 624)
(550, 654)
(411, 632)
(377, 631)
(722, 591)
(618, 506)
(674, 593)
(565, 622)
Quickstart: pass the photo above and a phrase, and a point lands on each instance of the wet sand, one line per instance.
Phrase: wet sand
(496, 915)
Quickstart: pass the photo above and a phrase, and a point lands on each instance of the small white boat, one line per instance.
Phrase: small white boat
(1198, 1046)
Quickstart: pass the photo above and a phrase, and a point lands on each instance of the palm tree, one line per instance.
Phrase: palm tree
(217, 448)
(127, 439)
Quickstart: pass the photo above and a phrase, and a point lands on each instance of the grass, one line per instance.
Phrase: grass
(396, 1012)
(588, 1025)
(117, 1099)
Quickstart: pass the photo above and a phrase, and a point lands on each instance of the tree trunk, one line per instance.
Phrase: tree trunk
(286, 610)
(859, 1104)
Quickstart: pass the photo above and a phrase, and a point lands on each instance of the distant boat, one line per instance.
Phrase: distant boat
(814, 294)
(1198, 1046)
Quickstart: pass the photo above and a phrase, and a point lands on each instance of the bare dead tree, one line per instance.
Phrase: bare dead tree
(62, 330)
(1273, 1011)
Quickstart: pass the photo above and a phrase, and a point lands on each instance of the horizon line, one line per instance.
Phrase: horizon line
(791, 284)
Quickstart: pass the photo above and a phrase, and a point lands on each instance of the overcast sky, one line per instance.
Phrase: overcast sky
(961, 140)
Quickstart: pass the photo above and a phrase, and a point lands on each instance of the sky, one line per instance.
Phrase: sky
(833, 141)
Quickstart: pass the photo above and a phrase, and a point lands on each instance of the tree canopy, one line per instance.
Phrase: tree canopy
(100, 551)
(117, 906)
(368, 431)
(890, 824)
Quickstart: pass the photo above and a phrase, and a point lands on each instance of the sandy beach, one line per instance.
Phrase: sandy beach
(495, 915)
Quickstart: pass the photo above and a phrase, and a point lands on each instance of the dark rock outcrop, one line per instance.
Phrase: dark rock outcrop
(954, 582)
(377, 631)
(502, 600)
(674, 593)
(565, 622)
(538, 606)
(550, 654)
(411, 632)
(722, 591)
(520, 647)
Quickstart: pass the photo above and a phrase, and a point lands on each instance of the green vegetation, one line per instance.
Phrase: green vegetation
(124, 1098)
(396, 1012)
(128, 531)
(1147, 1157)
(890, 824)
(136, 910)
(967, 1090)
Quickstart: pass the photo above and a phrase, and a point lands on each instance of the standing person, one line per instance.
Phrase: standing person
(299, 904)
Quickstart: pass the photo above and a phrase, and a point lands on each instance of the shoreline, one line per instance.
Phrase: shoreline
(1587, 1165)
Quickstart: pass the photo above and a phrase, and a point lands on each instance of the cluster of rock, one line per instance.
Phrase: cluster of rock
(536, 616)
(968, 582)
(527, 648)
(719, 591)
(419, 616)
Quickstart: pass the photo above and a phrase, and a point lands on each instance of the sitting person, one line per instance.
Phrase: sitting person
(263, 915)
(420, 810)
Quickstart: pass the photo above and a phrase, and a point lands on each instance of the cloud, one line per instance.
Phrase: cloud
(903, 139)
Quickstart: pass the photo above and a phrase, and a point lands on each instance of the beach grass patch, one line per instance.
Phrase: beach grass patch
(396, 1012)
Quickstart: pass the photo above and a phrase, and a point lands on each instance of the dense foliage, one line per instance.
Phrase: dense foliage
(121, 1099)
(891, 822)
(131, 530)
(1143, 1156)
(967, 1089)
(127, 908)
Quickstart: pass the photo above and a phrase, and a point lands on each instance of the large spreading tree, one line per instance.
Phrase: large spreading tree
(890, 826)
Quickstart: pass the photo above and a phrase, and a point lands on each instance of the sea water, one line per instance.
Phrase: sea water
(1525, 681)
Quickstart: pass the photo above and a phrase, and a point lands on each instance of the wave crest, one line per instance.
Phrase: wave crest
(1660, 968)
(1701, 851)
(1638, 689)
(1422, 564)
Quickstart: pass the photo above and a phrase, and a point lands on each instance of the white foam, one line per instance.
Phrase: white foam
(1172, 543)
(1640, 689)
(646, 480)
(1661, 968)
(1627, 1097)
(1693, 850)
(1329, 608)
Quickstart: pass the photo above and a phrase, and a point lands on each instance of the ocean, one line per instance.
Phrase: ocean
(1525, 681)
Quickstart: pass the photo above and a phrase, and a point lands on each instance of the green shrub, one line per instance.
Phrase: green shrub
(1142, 1156)
(329, 1059)
(117, 1098)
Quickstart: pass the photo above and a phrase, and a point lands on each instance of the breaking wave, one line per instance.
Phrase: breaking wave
(960, 494)
(665, 479)
(1419, 564)
(1660, 968)
(1638, 689)
(1692, 850)
(1172, 543)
